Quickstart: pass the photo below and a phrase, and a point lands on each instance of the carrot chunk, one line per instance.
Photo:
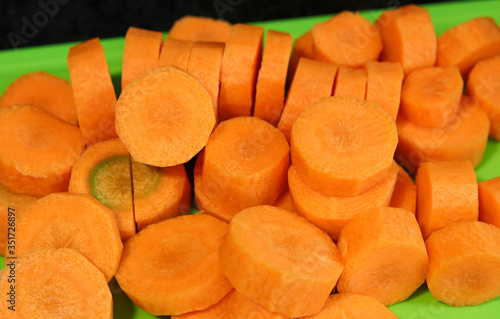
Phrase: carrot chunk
(303, 47)
(196, 29)
(285, 201)
(383, 85)
(489, 201)
(405, 192)
(350, 82)
(176, 53)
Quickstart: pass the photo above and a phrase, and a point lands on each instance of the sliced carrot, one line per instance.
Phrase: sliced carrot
(484, 85)
(331, 213)
(346, 305)
(294, 276)
(45, 91)
(489, 201)
(431, 96)
(175, 113)
(37, 150)
(347, 39)
(55, 283)
(240, 64)
(384, 255)
(408, 36)
(181, 273)
(93, 90)
(405, 192)
(465, 44)
(141, 53)
(447, 193)
(270, 87)
(76, 221)
(350, 82)
(303, 47)
(205, 64)
(342, 146)
(464, 138)
(196, 29)
(176, 53)
(312, 81)
(464, 263)
(285, 201)
(383, 85)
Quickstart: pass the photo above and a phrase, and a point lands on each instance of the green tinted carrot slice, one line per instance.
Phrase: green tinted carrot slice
(351, 82)
(383, 85)
(196, 29)
(489, 201)
(176, 53)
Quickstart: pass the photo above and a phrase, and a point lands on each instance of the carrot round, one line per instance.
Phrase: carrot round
(384, 255)
(351, 82)
(484, 84)
(447, 193)
(265, 257)
(489, 201)
(383, 85)
(270, 87)
(45, 91)
(176, 53)
(180, 274)
(37, 150)
(465, 44)
(75, 221)
(240, 64)
(408, 36)
(332, 213)
(312, 81)
(141, 53)
(464, 263)
(175, 113)
(285, 201)
(346, 39)
(341, 146)
(303, 47)
(405, 192)
(196, 29)
(431, 96)
(56, 283)
(95, 96)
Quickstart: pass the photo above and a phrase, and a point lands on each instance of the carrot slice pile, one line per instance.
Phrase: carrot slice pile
(195, 29)
(303, 47)
(350, 82)
(405, 192)
(383, 85)
(176, 53)
(489, 201)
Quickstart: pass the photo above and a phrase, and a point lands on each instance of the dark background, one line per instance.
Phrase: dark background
(74, 20)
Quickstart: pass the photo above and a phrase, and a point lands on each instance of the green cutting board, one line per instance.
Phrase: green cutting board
(421, 304)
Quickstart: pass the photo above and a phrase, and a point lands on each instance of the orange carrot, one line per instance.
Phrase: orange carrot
(93, 90)
(312, 81)
(405, 192)
(45, 91)
(285, 201)
(347, 39)
(408, 36)
(303, 47)
(176, 53)
(181, 274)
(464, 263)
(240, 65)
(350, 82)
(270, 88)
(141, 53)
(295, 276)
(37, 150)
(383, 85)
(196, 29)
(384, 255)
(489, 201)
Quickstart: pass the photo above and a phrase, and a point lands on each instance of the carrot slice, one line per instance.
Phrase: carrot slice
(95, 97)
(489, 201)
(431, 96)
(484, 85)
(436, 208)
(196, 29)
(37, 150)
(76, 221)
(331, 213)
(464, 138)
(383, 85)
(312, 81)
(285, 201)
(342, 146)
(235, 306)
(141, 53)
(464, 263)
(244, 164)
(176, 53)
(205, 64)
(181, 274)
(347, 39)
(45, 91)
(346, 305)
(175, 113)
(350, 82)
(240, 64)
(56, 283)
(303, 47)
(270, 88)
(384, 255)
(465, 44)
(408, 36)
(405, 192)
(295, 276)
